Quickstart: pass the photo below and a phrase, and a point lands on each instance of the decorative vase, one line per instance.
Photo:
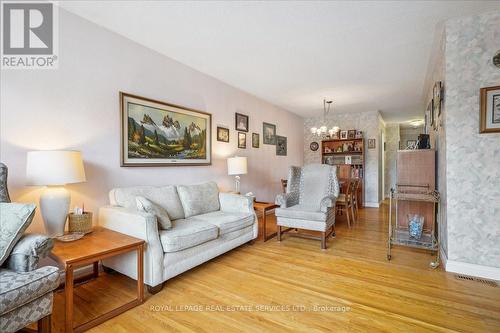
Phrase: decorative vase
(415, 225)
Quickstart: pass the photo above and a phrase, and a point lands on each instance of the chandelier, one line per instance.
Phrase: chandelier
(323, 129)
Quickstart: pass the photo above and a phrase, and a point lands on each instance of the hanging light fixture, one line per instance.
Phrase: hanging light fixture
(323, 129)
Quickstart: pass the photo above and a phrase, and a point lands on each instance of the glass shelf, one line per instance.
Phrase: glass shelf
(402, 237)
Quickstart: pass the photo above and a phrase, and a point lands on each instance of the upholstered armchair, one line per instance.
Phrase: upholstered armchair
(309, 202)
(26, 290)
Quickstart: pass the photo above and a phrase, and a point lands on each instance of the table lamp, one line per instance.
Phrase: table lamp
(54, 169)
(237, 166)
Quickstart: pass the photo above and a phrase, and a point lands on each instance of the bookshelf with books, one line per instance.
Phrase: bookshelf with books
(349, 157)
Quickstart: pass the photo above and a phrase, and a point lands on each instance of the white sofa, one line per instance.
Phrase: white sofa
(205, 224)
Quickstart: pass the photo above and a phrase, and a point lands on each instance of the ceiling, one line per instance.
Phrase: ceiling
(366, 56)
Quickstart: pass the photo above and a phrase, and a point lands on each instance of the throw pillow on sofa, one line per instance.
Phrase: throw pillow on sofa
(146, 205)
(15, 219)
(199, 199)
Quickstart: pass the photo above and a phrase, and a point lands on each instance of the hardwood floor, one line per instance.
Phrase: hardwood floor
(295, 286)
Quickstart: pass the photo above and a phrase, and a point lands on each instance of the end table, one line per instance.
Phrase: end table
(263, 208)
(100, 244)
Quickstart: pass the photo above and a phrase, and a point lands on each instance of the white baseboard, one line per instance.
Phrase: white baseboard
(371, 204)
(486, 272)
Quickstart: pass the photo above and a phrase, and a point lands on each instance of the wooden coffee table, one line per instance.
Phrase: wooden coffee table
(263, 208)
(100, 244)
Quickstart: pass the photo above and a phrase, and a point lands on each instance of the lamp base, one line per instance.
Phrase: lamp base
(54, 203)
(237, 184)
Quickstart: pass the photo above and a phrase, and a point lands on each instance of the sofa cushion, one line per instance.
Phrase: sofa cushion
(186, 233)
(303, 212)
(227, 222)
(199, 199)
(17, 289)
(147, 206)
(28, 251)
(15, 219)
(164, 196)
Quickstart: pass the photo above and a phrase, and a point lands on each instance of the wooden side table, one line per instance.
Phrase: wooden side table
(263, 208)
(100, 244)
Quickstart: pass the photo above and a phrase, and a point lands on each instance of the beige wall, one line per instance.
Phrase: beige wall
(76, 107)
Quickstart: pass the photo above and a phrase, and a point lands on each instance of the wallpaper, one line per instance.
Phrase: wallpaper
(368, 122)
(391, 149)
(438, 141)
(473, 172)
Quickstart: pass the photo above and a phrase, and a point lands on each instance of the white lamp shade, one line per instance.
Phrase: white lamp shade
(54, 167)
(236, 166)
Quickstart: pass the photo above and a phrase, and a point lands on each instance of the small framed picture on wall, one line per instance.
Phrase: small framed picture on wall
(343, 135)
(242, 140)
(371, 143)
(241, 121)
(489, 117)
(222, 134)
(255, 140)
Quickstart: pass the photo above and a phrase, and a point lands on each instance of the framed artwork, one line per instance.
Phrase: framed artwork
(281, 148)
(314, 146)
(351, 134)
(241, 122)
(437, 103)
(359, 134)
(255, 140)
(335, 135)
(371, 143)
(242, 140)
(489, 117)
(155, 133)
(343, 135)
(269, 133)
(222, 134)
(430, 107)
(426, 121)
(411, 144)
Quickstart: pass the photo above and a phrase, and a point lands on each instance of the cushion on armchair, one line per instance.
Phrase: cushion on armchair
(15, 218)
(4, 192)
(28, 251)
(199, 199)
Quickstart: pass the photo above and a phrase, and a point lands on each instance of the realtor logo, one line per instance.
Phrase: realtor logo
(29, 35)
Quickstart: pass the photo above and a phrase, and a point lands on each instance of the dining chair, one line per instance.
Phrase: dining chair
(355, 198)
(345, 201)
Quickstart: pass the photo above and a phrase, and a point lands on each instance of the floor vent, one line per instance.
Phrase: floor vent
(475, 279)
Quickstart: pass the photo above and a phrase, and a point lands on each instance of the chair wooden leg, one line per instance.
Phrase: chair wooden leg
(354, 219)
(348, 219)
(323, 240)
(333, 231)
(44, 324)
(278, 234)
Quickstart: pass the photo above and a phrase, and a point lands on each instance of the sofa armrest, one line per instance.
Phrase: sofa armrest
(140, 225)
(286, 200)
(328, 202)
(230, 202)
(28, 251)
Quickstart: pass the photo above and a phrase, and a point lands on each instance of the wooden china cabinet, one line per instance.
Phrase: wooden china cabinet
(349, 157)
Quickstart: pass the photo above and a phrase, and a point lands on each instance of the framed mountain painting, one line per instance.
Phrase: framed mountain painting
(155, 133)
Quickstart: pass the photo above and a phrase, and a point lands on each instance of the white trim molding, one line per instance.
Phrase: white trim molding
(371, 204)
(486, 272)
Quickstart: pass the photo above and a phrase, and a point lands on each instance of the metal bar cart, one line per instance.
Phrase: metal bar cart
(399, 235)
